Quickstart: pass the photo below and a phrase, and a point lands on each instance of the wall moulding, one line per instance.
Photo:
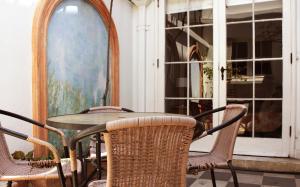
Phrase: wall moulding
(43, 13)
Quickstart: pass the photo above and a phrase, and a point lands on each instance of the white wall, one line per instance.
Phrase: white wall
(15, 66)
(16, 18)
(122, 15)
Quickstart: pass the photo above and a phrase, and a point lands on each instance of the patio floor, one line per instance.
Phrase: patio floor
(245, 178)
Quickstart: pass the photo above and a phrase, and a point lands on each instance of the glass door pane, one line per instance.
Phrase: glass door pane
(254, 65)
(189, 57)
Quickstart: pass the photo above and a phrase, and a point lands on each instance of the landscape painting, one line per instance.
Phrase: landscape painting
(76, 60)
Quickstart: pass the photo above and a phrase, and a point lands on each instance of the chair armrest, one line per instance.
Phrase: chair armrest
(39, 142)
(223, 125)
(63, 138)
(82, 134)
(32, 140)
(23, 118)
(209, 112)
(85, 133)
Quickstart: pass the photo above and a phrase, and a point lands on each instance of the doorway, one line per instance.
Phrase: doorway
(235, 51)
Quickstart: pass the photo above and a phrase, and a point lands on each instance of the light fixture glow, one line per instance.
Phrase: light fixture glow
(71, 9)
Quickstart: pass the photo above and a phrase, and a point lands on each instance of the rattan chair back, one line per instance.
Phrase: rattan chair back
(224, 144)
(149, 151)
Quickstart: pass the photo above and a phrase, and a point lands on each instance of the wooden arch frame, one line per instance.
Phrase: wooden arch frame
(43, 13)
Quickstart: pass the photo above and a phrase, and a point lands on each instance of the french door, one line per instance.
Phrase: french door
(235, 51)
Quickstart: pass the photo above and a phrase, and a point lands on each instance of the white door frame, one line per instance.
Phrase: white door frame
(249, 146)
(270, 146)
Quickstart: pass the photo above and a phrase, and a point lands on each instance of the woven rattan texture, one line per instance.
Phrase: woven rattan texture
(148, 151)
(12, 170)
(222, 150)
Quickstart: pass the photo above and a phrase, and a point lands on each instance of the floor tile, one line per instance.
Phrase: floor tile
(190, 181)
(195, 176)
(276, 181)
(218, 175)
(202, 183)
(281, 175)
(249, 179)
(231, 184)
(223, 170)
(250, 172)
(208, 183)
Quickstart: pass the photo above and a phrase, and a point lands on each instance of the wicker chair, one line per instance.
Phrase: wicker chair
(221, 153)
(143, 151)
(24, 171)
(93, 141)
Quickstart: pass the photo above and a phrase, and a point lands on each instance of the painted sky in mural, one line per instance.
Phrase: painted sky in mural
(76, 57)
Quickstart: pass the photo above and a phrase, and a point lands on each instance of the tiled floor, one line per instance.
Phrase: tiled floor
(245, 178)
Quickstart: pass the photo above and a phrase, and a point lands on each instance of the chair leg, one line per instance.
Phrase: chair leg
(9, 184)
(235, 180)
(213, 179)
(81, 159)
(98, 155)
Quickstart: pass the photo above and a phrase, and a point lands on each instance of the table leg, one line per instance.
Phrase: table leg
(80, 157)
(98, 155)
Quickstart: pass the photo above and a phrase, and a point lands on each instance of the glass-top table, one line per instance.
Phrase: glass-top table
(87, 120)
(84, 121)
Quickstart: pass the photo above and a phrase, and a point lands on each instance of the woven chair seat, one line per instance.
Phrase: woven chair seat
(12, 170)
(204, 162)
(98, 183)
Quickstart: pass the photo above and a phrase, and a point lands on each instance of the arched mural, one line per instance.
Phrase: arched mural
(70, 56)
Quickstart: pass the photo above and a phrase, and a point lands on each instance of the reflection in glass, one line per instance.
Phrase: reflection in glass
(176, 80)
(176, 19)
(199, 106)
(201, 43)
(245, 129)
(176, 106)
(268, 79)
(239, 79)
(268, 10)
(176, 45)
(239, 41)
(268, 36)
(200, 17)
(241, 12)
(201, 80)
(268, 119)
(173, 6)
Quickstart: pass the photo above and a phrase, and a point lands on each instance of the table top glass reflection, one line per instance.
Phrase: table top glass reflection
(83, 121)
